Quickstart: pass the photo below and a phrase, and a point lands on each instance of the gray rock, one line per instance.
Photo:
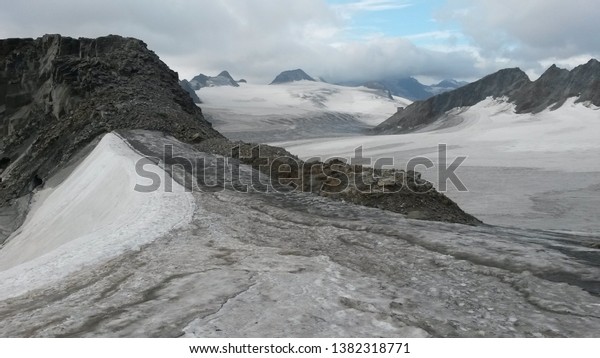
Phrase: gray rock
(58, 93)
(292, 76)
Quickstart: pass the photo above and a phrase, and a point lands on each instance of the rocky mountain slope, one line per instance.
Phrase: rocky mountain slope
(292, 76)
(552, 89)
(58, 93)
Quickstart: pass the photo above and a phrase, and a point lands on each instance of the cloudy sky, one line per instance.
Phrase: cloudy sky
(336, 39)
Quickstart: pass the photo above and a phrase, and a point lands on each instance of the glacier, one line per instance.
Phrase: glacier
(209, 263)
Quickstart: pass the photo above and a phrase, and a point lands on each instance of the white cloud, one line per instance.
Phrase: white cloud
(258, 39)
(373, 5)
(529, 33)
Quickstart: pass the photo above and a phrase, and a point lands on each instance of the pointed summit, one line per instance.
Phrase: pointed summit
(226, 74)
(222, 79)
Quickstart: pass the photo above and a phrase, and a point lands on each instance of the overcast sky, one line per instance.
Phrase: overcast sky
(336, 39)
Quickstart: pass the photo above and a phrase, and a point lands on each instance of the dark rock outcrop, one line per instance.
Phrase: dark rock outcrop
(292, 76)
(400, 191)
(58, 93)
(551, 90)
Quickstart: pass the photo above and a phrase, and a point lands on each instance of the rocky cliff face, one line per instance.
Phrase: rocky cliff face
(58, 93)
(551, 90)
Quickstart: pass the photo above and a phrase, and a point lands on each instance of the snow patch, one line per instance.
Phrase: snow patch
(93, 215)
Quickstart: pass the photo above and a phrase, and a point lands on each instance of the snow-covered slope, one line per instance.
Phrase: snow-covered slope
(295, 110)
(536, 170)
(93, 215)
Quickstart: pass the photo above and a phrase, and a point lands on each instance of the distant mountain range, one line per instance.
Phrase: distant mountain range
(202, 80)
(551, 90)
(222, 79)
(409, 87)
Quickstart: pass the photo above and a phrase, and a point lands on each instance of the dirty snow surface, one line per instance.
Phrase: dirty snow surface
(220, 263)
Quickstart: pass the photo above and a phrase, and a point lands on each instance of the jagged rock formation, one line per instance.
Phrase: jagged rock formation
(58, 93)
(551, 90)
(292, 76)
(556, 85)
(222, 79)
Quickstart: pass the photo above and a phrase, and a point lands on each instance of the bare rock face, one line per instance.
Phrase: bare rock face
(58, 93)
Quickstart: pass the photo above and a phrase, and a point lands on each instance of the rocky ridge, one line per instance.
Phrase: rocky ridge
(222, 79)
(551, 90)
(58, 93)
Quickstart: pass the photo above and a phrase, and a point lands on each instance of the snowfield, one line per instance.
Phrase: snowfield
(527, 170)
(322, 268)
(303, 109)
(93, 215)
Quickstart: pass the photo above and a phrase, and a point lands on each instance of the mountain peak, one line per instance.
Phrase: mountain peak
(292, 76)
(225, 74)
(222, 79)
